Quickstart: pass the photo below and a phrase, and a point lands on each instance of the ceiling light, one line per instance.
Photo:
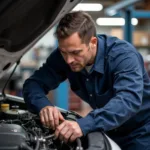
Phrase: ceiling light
(134, 21)
(110, 21)
(88, 7)
(114, 21)
(112, 12)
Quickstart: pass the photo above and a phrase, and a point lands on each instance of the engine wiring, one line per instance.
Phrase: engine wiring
(39, 136)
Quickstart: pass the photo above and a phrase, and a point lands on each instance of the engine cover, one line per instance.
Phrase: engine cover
(12, 137)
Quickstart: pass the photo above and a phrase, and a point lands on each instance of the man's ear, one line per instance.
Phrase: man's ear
(93, 41)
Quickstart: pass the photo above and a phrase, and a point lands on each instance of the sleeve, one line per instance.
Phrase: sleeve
(128, 89)
(48, 77)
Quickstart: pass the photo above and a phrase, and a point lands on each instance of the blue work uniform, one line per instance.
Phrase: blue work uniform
(117, 88)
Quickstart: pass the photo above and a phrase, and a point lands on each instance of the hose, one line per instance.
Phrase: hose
(24, 146)
(79, 146)
(49, 136)
(37, 140)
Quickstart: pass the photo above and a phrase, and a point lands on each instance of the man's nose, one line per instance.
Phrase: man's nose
(69, 59)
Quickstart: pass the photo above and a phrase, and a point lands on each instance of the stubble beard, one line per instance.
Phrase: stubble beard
(78, 68)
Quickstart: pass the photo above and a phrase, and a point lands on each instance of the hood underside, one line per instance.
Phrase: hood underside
(24, 22)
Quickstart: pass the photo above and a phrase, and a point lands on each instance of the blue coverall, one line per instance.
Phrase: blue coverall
(117, 88)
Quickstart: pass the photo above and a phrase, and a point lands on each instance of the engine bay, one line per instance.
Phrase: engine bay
(23, 130)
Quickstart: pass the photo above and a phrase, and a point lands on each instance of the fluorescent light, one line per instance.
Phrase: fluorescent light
(114, 21)
(88, 7)
(134, 21)
(110, 21)
(112, 12)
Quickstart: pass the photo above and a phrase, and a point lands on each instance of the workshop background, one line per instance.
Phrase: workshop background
(126, 19)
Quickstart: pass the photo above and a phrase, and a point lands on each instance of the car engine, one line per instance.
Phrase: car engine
(22, 130)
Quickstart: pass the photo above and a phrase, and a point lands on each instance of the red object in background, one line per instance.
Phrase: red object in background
(74, 101)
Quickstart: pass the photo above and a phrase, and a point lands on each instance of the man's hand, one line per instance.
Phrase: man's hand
(68, 131)
(51, 117)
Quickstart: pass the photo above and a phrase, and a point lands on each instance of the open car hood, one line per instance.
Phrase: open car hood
(24, 22)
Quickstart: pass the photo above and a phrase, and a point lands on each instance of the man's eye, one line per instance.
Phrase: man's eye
(63, 53)
(77, 52)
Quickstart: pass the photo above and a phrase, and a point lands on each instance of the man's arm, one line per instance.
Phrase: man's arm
(128, 88)
(48, 77)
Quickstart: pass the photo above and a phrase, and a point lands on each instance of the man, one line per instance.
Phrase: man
(106, 72)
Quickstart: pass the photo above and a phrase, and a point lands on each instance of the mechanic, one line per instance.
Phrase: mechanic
(106, 72)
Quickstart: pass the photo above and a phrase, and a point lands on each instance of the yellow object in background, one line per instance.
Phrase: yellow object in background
(4, 107)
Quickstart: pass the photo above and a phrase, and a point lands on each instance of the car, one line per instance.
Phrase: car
(22, 24)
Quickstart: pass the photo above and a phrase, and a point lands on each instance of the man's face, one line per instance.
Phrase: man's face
(76, 54)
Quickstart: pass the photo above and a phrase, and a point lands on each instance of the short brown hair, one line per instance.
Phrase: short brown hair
(78, 21)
